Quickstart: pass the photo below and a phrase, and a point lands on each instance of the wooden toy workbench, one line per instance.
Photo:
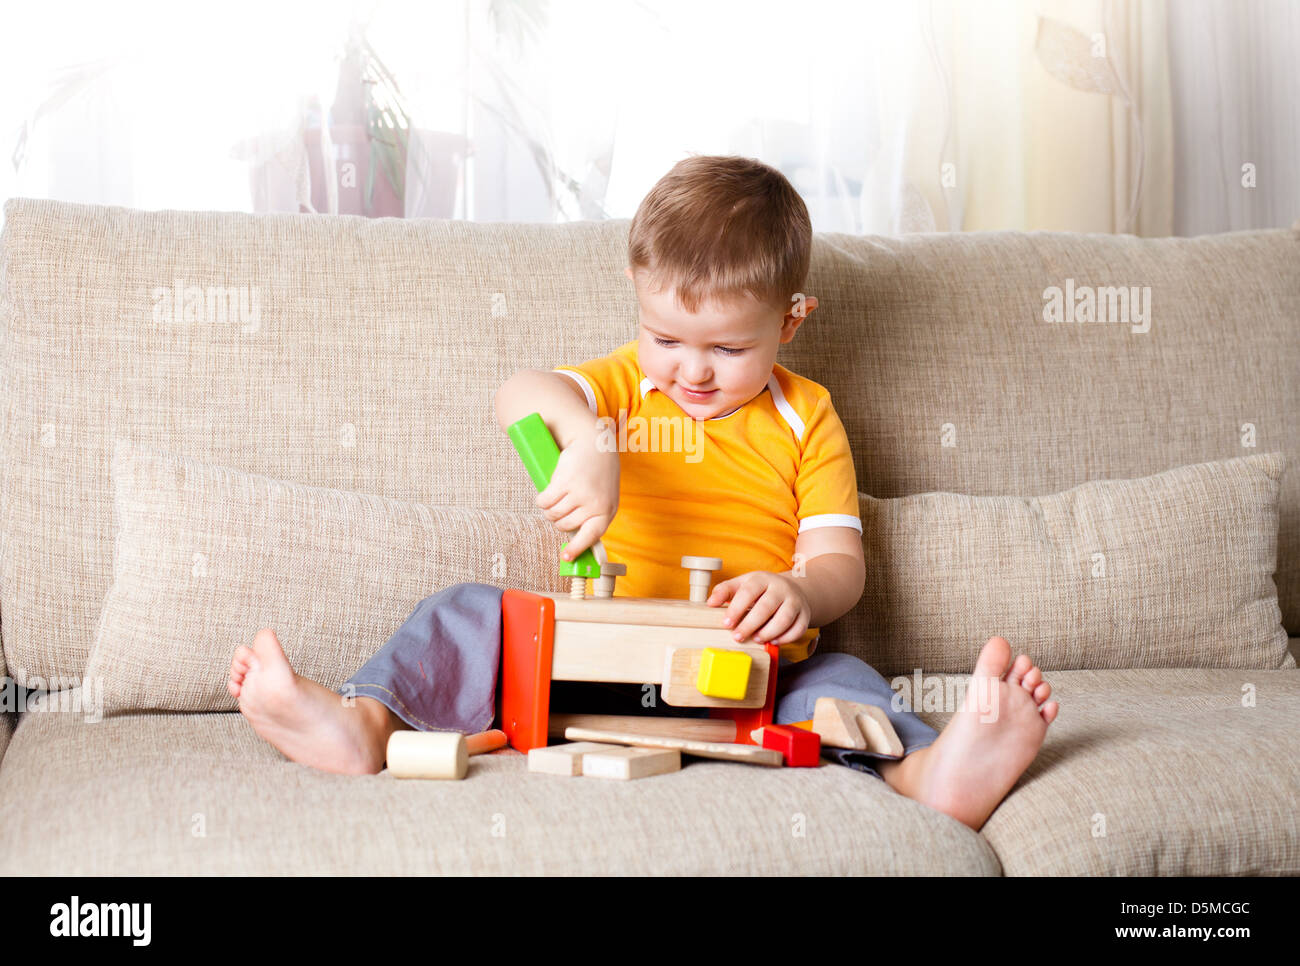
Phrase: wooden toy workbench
(549, 637)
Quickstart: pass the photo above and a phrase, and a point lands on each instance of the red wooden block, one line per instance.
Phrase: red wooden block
(802, 749)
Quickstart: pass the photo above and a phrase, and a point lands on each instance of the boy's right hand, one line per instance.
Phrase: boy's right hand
(583, 493)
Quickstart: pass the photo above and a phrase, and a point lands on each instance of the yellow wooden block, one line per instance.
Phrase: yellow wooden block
(724, 674)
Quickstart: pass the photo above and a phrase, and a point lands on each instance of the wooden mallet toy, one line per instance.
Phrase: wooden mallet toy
(437, 754)
(539, 452)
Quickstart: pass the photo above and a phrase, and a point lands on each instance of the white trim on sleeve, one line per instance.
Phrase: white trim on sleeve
(586, 386)
(830, 520)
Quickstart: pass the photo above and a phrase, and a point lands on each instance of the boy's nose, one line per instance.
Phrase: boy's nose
(696, 378)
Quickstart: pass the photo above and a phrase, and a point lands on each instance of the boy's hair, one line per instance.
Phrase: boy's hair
(717, 228)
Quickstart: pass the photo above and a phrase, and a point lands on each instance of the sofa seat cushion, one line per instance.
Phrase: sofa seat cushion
(1159, 772)
(150, 794)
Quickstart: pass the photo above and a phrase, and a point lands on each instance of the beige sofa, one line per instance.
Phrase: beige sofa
(370, 369)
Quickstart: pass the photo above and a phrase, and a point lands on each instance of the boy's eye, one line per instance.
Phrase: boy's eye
(721, 348)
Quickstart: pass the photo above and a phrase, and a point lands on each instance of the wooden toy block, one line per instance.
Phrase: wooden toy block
(659, 726)
(801, 749)
(724, 673)
(628, 762)
(701, 749)
(682, 671)
(879, 731)
(562, 759)
(836, 722)
(850, 724)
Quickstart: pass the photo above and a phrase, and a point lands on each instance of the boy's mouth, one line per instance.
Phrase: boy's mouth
(697, 396)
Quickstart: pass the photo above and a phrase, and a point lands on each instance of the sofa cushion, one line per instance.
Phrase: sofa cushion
(1172, 570)
(168, 794)
(207, 555)
(368, 364)
(1183, 772)
(372, 349)
(947, 378)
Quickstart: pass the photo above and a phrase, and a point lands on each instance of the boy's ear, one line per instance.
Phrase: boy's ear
(628, 272)
(809, 303)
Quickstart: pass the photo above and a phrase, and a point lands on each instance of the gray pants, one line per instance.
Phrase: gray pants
(438, 672)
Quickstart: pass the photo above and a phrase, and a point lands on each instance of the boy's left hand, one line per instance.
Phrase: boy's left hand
(770, 606)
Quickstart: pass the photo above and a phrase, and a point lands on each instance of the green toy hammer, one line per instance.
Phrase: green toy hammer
(537, 448)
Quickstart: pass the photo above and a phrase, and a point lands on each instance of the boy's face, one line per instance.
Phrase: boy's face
(726, 352)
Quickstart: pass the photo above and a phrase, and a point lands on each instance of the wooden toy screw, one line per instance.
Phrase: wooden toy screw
(604, 585)
(701, 569)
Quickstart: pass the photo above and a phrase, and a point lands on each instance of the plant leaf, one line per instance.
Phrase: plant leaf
(1066, 53)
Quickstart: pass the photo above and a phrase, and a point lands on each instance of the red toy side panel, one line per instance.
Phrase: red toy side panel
(747, 719)
(527, 648)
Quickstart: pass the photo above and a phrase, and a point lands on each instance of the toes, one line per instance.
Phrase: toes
(993, 658)
(1049, 711)
(266, 645)
(1032, 679)
(1042, 692)
(1019, 669)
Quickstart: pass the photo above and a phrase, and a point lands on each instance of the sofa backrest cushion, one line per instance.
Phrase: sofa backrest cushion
(364, 354)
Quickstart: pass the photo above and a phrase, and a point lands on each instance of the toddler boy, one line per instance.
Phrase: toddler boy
(760, 475)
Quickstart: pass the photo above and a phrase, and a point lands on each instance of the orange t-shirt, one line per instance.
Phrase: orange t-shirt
(740, 486)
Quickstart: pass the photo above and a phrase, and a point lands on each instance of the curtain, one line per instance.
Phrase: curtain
(887, 116)
(1238, 116)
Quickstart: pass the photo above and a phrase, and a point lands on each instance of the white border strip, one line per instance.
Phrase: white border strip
(786, 410)
(830, 520)
(581, 381)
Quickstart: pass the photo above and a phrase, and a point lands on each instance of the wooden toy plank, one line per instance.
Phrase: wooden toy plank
(660, 611)
(749, 754)
(562, 759)
(652, 611)
(631, 653)
(662, 726)
(682, 668)
(626, 763)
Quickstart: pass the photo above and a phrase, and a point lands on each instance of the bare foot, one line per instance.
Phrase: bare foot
(987, 745)
(306, 721)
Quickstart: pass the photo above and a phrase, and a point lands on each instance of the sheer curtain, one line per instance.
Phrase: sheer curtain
(887, 116)
(1238, 116)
